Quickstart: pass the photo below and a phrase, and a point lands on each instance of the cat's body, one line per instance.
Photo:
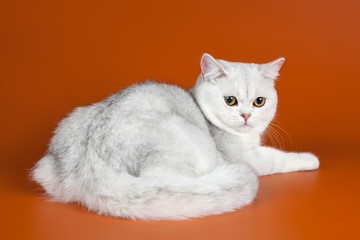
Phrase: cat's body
(152, 152)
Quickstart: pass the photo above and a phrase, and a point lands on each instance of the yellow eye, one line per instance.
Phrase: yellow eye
(259, 102)
(230, 100)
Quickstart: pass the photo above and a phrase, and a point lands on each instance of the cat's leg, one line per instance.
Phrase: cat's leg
(270, 160)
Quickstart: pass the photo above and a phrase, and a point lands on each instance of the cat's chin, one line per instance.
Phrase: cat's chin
(235, 130)
(244, 128)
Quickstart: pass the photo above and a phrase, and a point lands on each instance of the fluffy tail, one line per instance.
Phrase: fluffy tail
(225, 189)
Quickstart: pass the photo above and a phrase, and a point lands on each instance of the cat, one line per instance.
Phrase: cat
(156, 151)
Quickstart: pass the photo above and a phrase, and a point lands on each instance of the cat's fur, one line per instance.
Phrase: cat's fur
(152, 152)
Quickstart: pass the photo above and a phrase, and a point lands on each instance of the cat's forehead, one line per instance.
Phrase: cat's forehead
(246, 79)
(244, 71)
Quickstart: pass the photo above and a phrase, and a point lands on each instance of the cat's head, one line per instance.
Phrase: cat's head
(237, 97)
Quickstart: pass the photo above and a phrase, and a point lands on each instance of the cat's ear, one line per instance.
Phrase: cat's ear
(271, 70)
(210, 68)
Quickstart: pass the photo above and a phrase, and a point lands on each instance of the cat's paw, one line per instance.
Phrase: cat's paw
(309, 161)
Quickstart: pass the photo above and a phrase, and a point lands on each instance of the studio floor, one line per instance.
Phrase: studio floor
(322, 204)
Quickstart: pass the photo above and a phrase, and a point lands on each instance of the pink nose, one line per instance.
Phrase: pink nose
(245, 116)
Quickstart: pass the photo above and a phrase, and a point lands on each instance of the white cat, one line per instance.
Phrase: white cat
(152, 152)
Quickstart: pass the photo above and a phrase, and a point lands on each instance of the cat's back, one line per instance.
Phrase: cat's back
(148, 114)
(152, 100)
(138, 105)
(154, 96)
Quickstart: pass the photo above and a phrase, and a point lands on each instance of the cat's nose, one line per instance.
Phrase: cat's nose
(245, 116)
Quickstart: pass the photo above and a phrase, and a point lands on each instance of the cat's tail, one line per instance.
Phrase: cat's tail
(225, 189)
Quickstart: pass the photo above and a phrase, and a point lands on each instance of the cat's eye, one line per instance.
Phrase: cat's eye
(230, 100)
(259, 102)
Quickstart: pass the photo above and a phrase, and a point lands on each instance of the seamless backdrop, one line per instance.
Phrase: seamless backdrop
(56, 55)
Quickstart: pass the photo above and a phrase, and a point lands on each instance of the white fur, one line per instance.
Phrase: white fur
(237, 141)
(152, 152)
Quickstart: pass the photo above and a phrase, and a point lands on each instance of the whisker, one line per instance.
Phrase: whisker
(282, 130)
(272, 137)
(268, 137)
(282, 142)
(277, 137)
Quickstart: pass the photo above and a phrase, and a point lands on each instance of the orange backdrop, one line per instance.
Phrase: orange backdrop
(56, 55)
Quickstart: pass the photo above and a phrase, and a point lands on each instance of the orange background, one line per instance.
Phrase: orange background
(56, 55)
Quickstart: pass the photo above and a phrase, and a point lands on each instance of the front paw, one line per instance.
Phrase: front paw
(309, 161)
